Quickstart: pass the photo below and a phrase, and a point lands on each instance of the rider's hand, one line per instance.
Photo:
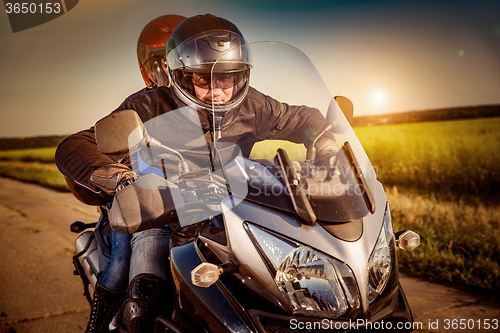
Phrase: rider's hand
(327, 153)
(112, 177)
(326, 158)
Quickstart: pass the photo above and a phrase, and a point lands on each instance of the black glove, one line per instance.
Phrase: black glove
(327, 150)
(326, 158)
(112, 177)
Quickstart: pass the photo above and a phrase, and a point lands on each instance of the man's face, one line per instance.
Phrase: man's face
(218, 91)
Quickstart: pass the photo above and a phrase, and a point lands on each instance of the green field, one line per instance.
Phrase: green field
(460, 242)
(32, 165)
(456, 159)
(43, 155)
(442, 180)
(444, 183)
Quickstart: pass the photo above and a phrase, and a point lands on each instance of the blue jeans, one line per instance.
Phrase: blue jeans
(115, 275)
(142, 252)
(150, 253)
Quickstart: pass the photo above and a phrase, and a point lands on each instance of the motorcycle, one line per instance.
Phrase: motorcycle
(261, 245)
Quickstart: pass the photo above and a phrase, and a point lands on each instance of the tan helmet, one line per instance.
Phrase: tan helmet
(151, 49)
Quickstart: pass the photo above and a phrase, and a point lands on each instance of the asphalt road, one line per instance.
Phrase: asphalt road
(39, 293)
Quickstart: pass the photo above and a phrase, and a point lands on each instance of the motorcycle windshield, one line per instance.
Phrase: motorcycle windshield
(202, 155)
(287, 99)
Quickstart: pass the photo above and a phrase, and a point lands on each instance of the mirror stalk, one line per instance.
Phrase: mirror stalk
(153, 143)
(311, 150)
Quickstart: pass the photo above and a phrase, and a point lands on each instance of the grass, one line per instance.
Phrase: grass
(455, 160)
(448, 177)
(460, 242)
(34, 166)
(44, 174)
(42, 155)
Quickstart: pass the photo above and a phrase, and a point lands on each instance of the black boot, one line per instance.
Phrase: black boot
(104, 307)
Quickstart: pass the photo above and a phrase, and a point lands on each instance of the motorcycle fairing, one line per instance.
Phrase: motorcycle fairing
(391, 304)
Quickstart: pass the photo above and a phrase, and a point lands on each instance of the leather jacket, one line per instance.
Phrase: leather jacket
(257, 118)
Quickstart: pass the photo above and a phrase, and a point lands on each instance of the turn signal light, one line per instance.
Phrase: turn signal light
(205, 274)
(408, 240)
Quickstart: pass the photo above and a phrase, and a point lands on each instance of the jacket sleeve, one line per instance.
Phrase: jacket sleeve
(78, 156)
(295, 123)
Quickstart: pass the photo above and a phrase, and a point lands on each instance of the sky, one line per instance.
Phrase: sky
(386, 56)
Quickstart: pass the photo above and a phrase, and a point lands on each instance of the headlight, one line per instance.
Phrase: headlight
(381, 260)
(313, 283)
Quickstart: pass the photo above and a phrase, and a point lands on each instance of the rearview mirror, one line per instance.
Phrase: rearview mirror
(119, 133)
(346, 106)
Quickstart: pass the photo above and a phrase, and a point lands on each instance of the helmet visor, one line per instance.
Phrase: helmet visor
(215, 80)
(150, 58)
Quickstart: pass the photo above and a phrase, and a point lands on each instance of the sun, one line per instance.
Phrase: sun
(379, 97)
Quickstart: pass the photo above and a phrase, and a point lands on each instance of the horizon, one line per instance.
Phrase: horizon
(353, 125)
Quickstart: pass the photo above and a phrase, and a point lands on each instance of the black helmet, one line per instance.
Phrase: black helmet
(207, 53)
